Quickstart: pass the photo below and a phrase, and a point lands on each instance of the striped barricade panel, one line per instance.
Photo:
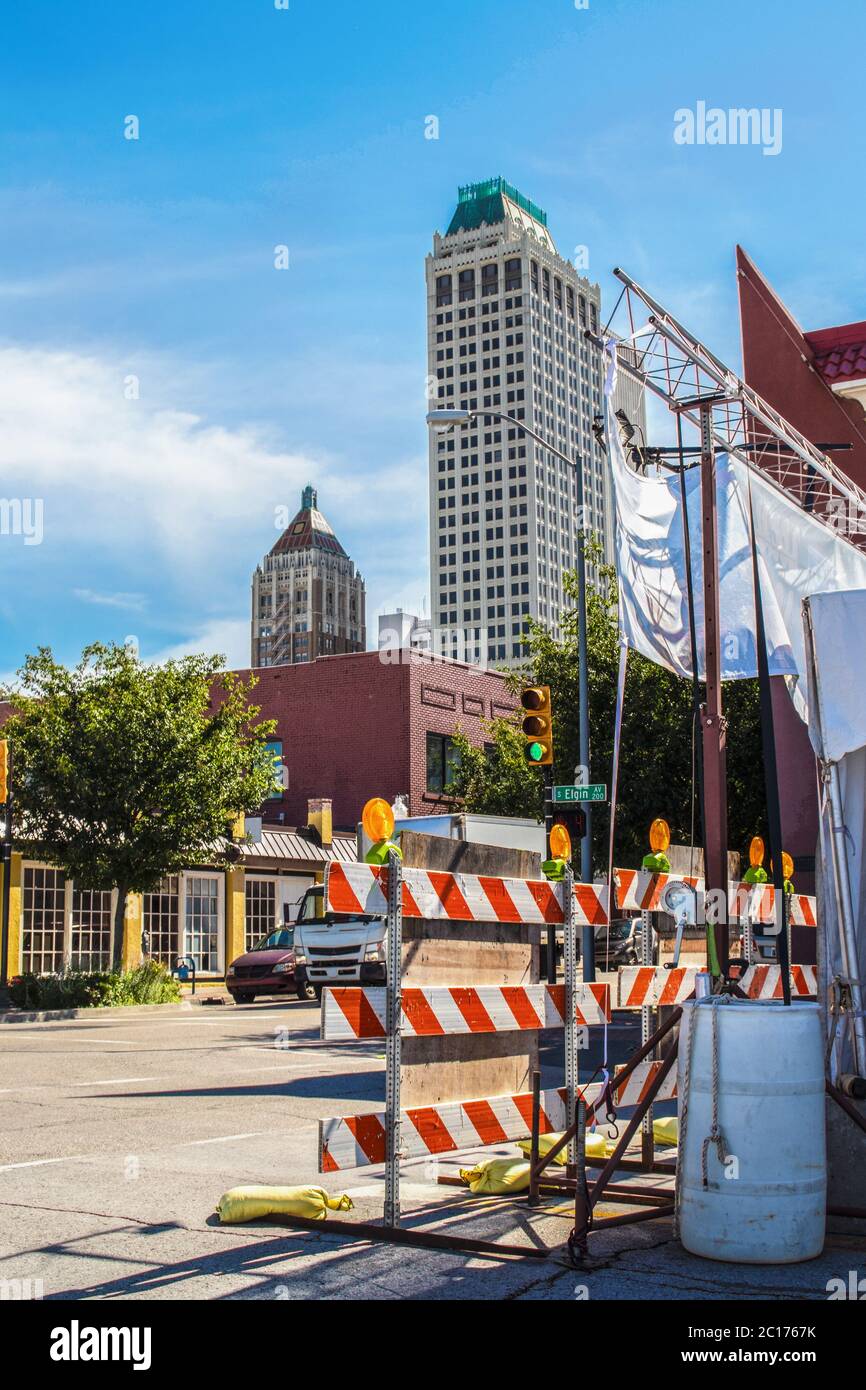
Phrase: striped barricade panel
(454, 897)
(431, 1011)
(355, 1141)
(757, 902)
(765, 981)
(639, 890)
(648, 984)
(641, 985)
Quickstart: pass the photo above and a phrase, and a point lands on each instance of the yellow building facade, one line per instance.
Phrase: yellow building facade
(211, 912)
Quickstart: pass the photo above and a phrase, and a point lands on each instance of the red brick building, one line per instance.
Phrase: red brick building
(354, 726)
(817, 380)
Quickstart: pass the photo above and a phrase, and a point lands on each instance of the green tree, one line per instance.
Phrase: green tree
(124, 773)
(656, 751)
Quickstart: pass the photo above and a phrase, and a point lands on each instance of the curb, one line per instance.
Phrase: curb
(120, 1011)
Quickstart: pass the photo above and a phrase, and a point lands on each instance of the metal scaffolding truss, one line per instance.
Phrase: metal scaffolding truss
(678, 368)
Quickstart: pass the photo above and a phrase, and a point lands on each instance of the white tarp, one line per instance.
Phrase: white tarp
(798, 556)
(837, 729)
(837, 718)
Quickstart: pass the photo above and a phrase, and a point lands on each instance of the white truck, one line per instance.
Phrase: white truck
(334, 949)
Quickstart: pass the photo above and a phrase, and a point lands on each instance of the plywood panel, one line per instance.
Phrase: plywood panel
(466, 953)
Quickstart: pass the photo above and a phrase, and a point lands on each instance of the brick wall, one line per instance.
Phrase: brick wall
(445, 696)
(353, 726)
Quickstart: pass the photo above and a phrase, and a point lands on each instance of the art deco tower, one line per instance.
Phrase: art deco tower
(308, 599)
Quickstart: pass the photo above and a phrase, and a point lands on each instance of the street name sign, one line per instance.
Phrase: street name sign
(595, 791)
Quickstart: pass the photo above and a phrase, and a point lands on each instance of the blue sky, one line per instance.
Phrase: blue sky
(306, 127)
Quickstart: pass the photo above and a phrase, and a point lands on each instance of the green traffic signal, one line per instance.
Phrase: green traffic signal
(537, 725)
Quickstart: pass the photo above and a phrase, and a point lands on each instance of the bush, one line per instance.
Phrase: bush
(149, 983)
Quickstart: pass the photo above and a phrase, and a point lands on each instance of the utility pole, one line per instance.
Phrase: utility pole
(713, 723)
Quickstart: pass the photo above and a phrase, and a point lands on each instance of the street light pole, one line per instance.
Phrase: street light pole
(450, 419)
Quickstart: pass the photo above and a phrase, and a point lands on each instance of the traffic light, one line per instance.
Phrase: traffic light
(4, 771)
(537, 725)
(573, 818)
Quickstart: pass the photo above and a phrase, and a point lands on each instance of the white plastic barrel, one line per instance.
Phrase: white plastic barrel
(766, 1202)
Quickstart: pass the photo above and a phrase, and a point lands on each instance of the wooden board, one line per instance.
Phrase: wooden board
(450, 1068)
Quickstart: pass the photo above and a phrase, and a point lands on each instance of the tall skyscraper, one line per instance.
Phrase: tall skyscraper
(506, 316)
(308, 599)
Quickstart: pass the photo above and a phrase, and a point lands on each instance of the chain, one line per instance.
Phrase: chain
(715, 1136)
(684, 1115)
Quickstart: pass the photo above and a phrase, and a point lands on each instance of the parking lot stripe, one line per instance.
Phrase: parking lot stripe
(113, 1081)
(223, 1138)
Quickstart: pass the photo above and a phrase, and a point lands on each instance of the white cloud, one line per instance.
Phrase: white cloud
(163, 512)
(132, 477)
(230, 636)
(122, 474)
(119, 600)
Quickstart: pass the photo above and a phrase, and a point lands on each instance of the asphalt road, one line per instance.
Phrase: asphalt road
(118, 1135)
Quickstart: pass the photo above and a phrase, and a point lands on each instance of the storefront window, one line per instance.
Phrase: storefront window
(261, 909)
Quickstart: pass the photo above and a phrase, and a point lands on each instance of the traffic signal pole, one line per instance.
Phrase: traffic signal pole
(587, 944)
(548, 826)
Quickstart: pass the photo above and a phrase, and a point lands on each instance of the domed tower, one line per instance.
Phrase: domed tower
(308, 599)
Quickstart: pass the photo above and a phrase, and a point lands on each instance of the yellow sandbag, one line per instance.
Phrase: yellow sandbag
(250, 1203)
(598, 1145)
(545, 1144)
(497, 1175)
(666, 1131)
(595, 1146)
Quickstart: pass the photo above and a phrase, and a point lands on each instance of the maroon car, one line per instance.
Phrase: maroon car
(269, 968)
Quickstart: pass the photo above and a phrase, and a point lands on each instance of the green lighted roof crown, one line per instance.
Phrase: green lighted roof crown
(482, 202)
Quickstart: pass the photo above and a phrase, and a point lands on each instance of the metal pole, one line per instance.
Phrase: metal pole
(646, 1031)
(588, 933)
(534, 1166)
(847, 932)
(577, 1243)
(828, 775)
(693, 641)
(570, 963)
(393, 1011)
(548, 825)
(7, 876)
(712, 721)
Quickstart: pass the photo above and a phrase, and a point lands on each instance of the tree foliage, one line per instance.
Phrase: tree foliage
(656, 751)
(124, 773)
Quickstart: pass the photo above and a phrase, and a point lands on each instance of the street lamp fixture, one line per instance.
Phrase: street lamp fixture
(448, 419)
